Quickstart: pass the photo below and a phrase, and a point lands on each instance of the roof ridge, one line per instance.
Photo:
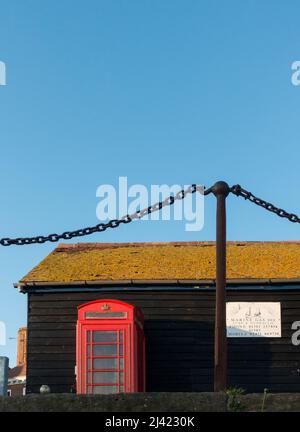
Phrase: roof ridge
(98, 245)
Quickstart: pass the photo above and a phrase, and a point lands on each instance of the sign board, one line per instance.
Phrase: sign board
(253, 319)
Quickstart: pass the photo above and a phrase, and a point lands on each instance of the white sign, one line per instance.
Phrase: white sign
(253, 319)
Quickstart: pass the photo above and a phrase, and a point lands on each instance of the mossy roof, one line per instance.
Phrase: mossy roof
(70, 263)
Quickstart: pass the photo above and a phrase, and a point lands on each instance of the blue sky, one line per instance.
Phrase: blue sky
(159, 91)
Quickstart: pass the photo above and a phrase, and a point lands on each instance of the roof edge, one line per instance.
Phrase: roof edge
(22, 286)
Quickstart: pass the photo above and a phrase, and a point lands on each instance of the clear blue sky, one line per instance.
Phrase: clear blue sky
(161, 91)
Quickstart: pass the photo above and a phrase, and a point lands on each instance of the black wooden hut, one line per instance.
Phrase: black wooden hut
(173, 284)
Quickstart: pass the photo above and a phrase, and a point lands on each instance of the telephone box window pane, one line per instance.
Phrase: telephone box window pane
(105, 350)
(105, 336)
(121, 377)
(103, 378)
(103, 389)
(88, 336)
(121, 336)
(99, 389)
(121, 388)
(104, 315)
(121, 349)
(105, 363)
(121, 363)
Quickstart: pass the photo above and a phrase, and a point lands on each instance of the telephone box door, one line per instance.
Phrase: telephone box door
(104, 356)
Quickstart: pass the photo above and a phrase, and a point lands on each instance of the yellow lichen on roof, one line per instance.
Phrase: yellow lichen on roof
(166, 261)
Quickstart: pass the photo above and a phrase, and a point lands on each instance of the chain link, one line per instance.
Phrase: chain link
(240, 192)
(114, 223)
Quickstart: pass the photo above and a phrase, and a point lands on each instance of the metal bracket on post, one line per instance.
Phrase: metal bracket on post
(221, 191)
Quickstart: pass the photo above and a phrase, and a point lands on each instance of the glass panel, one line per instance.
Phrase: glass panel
(103, 378)
(88, 336)
(105, 336)
(121, 349)
(121, 363)
(104, 350)
(121, 336)
(121, 388)
(105, 389)
(121, 377)
(105, 363)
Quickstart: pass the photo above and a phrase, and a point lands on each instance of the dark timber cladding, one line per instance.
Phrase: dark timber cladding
(179, 331)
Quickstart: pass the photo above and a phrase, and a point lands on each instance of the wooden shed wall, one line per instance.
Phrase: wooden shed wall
(179, 331)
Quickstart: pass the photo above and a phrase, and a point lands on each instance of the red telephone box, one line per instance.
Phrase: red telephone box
(110, 349)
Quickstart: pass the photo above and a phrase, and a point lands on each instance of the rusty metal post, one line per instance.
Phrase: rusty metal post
(221, 191)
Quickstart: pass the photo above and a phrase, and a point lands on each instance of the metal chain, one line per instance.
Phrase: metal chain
(240, 192)
(114, 223)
